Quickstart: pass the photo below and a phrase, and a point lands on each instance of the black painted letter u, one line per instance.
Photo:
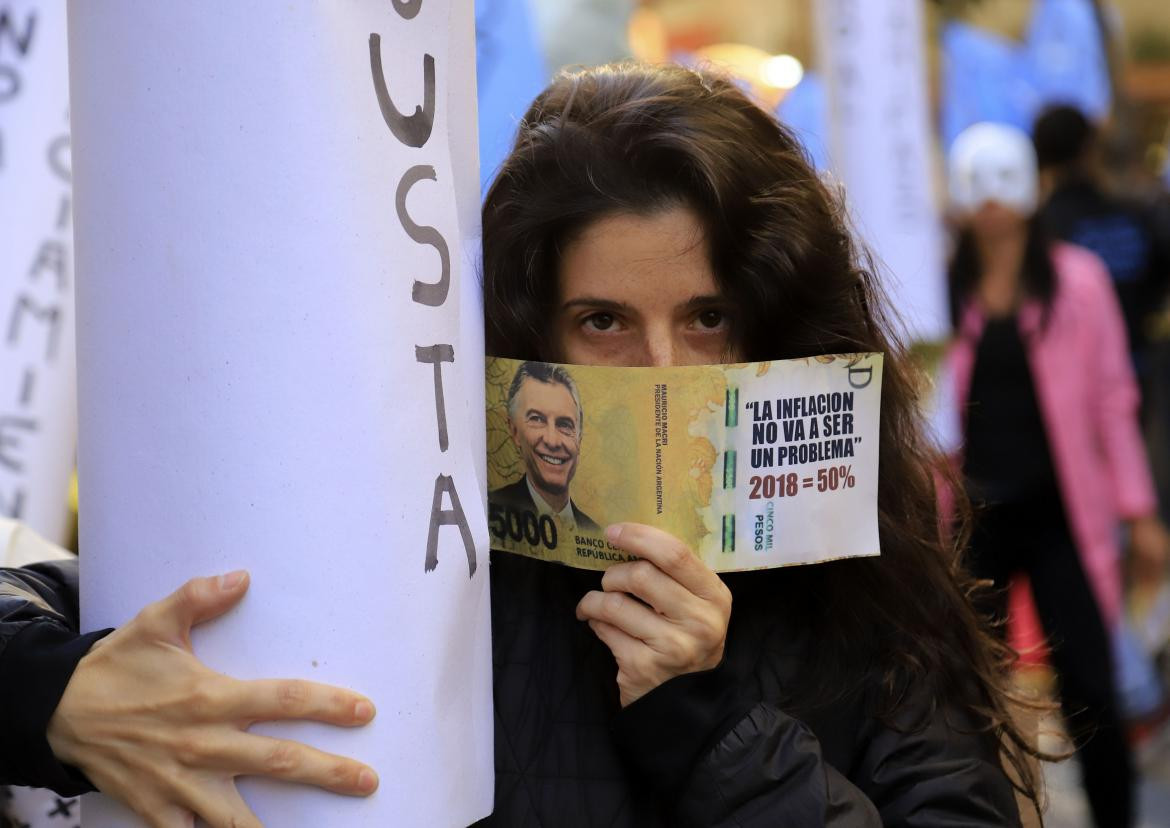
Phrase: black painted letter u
(412, 130)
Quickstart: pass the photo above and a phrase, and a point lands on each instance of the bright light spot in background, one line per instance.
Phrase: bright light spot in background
(768, 77)
(782, 71)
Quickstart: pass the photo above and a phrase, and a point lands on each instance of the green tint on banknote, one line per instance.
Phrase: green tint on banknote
(753, 465)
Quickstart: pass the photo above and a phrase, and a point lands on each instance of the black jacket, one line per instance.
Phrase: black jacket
(1126, 237)
(709, 749)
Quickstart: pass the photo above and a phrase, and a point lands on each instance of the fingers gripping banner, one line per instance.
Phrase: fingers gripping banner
(282, 365)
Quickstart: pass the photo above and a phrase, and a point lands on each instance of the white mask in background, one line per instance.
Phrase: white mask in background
(993, 162)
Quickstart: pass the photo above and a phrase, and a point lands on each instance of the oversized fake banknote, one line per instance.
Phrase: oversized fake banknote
(752, 465)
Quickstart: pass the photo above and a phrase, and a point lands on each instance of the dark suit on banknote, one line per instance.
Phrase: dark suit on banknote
(519, 497)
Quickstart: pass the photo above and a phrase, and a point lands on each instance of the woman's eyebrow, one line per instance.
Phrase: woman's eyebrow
(694, 303)
(697, 302)
(594, 302)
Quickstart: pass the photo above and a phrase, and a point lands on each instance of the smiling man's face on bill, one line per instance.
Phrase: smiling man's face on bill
(545, 429)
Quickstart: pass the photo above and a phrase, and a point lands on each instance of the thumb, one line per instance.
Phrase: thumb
(198, 600)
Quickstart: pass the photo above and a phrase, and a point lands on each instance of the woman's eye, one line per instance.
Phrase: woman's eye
(711, 319)
(600, 321)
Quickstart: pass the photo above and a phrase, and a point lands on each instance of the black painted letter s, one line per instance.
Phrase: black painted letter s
(425, 293)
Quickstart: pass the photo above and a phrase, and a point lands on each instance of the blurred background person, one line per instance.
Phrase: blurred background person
(1052, 453)
(1078, 209)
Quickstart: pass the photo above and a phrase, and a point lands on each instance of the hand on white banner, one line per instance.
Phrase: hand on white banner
(150, 725)
(662, 616)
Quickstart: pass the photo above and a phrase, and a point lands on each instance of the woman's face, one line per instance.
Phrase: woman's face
(993, 221)
(639, 290)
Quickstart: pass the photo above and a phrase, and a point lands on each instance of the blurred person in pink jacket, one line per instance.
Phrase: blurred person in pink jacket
(1052, 454)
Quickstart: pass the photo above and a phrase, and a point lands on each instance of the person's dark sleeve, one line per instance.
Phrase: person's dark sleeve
(718, 761)
(39, 650)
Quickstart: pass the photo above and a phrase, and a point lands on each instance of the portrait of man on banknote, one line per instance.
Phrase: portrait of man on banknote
(545, 421)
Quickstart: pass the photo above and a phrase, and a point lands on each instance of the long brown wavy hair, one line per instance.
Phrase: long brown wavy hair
(631, 138)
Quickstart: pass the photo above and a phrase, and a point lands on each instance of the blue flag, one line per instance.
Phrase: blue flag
(1067, 56)
(985, 78)
(510, 71)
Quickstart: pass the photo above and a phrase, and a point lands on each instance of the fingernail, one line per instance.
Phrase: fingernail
(612, 533)
(232, 579)
(363, 711)
(367, 781)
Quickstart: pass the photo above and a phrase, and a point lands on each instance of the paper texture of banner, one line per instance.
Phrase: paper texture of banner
(280, 331)
(753, 465)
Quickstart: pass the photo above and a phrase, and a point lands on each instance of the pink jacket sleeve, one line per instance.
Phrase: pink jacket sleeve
(1117, 397)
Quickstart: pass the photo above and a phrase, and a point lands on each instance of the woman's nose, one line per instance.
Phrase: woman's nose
(661, 349)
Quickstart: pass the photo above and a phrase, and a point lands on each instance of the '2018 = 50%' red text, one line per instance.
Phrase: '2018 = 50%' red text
(789, 485)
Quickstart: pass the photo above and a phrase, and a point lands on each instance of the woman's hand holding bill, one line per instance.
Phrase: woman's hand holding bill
(150, 725)
(662, 616)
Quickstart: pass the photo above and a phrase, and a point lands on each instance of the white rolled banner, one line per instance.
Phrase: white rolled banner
(872, 55)
(38, 410)
(281, 366)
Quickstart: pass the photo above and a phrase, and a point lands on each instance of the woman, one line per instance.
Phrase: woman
(654, 216)
(1052, 452)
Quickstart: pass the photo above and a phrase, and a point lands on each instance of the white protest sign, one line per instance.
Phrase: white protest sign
(280, 334)
(873, 61)
(38, 426)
